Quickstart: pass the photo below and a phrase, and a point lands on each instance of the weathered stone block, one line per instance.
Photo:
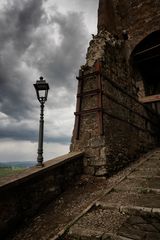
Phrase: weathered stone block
(98, 141)
(89, 170)
(101, 171)
(98, 162)
(104, 151)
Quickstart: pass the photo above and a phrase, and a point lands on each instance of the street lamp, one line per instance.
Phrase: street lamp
(42, 88)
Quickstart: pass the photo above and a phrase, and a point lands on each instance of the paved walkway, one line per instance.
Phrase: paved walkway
(123, 207)
(131, 210)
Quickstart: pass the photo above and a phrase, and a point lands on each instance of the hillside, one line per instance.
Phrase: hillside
(11, 168)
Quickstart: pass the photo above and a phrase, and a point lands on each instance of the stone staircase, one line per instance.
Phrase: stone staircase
(130, 210)
(125, 206)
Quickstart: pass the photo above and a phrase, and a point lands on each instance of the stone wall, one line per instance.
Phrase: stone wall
(113, 126)
(138, 17)
(23, 195)
(129, 127)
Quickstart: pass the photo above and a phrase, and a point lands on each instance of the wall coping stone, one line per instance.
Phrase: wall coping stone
(14, 180)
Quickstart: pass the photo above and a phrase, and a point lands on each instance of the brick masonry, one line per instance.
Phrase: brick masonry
(111, 125)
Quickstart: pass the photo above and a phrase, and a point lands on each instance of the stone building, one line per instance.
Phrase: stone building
(113, 121)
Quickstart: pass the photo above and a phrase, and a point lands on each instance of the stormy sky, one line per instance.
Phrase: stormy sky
(46, 38)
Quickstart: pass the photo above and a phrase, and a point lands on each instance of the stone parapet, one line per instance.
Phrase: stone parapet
(24, 194)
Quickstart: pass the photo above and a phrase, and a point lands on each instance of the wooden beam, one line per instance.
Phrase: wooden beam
(148, 50)
(78, 106)
(81, 77)
(99, 103)
(147, 54)
(150, 99)
(93, 110)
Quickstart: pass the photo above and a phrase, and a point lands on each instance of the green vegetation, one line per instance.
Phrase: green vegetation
(12, 168)
(7, 171)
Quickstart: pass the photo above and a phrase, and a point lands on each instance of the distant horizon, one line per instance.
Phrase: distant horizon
(24, 164)
(16, 161)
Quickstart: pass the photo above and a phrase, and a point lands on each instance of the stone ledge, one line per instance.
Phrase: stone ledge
(7, 182)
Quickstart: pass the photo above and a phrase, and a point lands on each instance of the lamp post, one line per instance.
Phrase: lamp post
(41, 87)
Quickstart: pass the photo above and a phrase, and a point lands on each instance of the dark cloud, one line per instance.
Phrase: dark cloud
(60, 61)
(17, 22)
(17, 133)
(29, 49)
(31, 135)
(23, 132)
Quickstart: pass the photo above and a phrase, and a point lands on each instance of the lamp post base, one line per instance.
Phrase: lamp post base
(40, 164)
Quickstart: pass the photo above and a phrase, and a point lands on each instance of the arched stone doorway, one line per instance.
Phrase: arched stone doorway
(146, 64)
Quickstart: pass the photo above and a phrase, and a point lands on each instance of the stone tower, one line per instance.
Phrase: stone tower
(112, 122)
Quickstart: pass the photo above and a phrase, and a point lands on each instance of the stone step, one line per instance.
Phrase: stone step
(145, 173)
(130, 212)
(127, 233)
(156, 154)
(140, 184)
(88, 234)
(110, 224)
(138, 228)
(127, 198)
(97, 222)
(130, 209)
(151, 163)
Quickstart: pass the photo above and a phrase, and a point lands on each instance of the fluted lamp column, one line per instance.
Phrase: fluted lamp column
(41, 87)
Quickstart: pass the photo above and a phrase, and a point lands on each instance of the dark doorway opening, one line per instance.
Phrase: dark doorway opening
(146, 59)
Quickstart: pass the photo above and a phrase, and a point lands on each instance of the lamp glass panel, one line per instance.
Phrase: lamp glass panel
(41, 93)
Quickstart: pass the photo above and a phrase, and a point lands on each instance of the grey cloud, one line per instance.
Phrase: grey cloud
(18, 22)
(27, 38)
(15, 38)
(91, 5)
(18, 134)
(60, 63)
(28, 50)
(25, 133)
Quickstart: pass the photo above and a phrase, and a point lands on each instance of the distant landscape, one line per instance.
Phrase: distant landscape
(11, 168)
